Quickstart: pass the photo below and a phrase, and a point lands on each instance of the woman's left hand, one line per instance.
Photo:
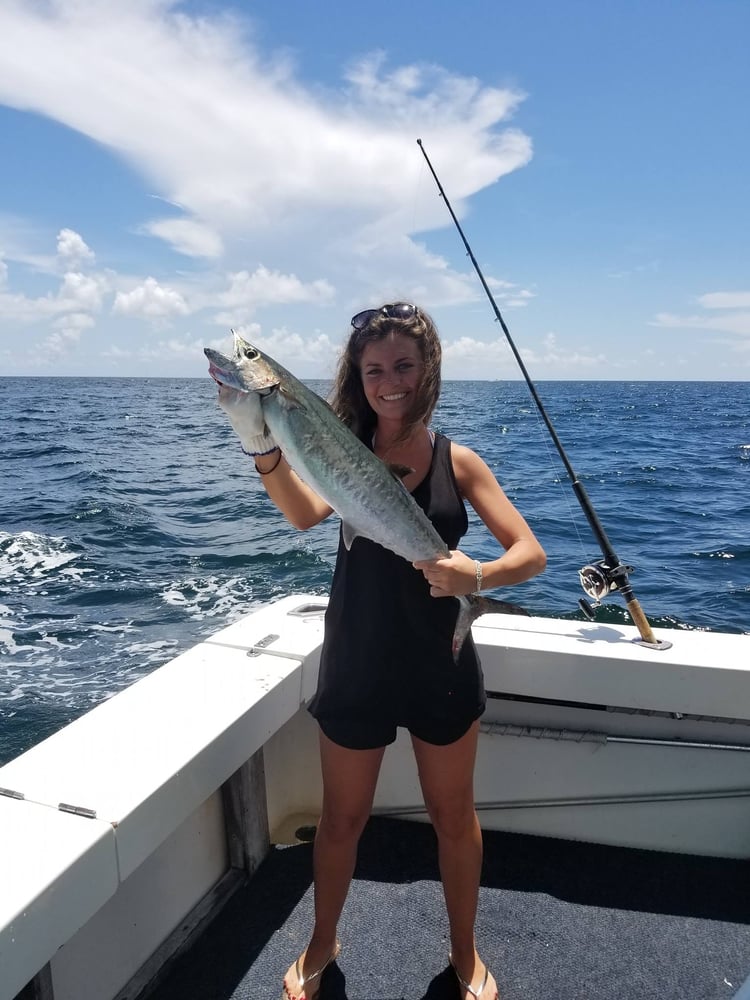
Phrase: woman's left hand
(453, 576)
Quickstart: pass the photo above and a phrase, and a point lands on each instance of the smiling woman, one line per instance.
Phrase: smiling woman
(390, 658)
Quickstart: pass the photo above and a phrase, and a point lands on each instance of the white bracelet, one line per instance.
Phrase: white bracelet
(478, 569)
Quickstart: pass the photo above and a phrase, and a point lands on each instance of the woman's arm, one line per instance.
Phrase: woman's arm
(301, 506)
(523, 558)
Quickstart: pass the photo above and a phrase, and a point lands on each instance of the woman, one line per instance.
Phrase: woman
(387, 658)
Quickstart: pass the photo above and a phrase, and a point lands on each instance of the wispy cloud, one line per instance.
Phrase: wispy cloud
(725, 300)
(274, 191)
(724, 312)
(234, 138)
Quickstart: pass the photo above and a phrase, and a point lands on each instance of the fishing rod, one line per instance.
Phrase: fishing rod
(598, 579)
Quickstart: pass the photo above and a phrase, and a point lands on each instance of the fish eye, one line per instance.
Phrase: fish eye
(251, 354)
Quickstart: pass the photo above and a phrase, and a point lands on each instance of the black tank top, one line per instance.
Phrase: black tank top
(388, 644)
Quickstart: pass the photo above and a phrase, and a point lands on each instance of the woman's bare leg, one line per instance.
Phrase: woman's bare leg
(349, 780)
(446, 774)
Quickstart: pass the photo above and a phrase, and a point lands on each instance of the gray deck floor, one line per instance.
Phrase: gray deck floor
(557, 919)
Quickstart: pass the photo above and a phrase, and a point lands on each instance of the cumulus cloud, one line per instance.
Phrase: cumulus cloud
(318, 350)
(151, 301)
(77, 292)
(247, 292)
(72, 251)
(82, 291)
(63, 340)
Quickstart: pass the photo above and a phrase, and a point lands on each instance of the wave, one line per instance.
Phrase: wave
(32, 556)
(739, 552)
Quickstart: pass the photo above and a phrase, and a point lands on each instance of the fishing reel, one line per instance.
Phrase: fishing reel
(599, 580)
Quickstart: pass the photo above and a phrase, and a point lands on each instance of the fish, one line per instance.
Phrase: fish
(367, 494)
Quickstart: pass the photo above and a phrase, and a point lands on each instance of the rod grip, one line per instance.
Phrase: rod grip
(641, 622)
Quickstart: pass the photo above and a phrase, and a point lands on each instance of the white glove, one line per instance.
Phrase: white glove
(246, 417)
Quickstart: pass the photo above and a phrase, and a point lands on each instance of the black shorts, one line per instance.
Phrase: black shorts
(435, 701)
(377, 731)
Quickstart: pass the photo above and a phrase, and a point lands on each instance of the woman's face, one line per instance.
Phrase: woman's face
(391, 370)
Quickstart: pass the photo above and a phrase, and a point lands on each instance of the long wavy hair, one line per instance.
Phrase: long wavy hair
(347, 396)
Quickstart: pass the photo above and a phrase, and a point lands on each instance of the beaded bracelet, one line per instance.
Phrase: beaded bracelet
(478, 570)
(273, 468)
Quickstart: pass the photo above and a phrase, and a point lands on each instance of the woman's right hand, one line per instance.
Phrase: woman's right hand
(245, 413)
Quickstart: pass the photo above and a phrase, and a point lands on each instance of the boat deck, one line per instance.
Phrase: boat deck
(557, 919)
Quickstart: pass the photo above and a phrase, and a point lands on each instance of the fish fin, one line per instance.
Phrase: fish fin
(474, 607)
(400, 471)
(348, 533)
(492, 606)
(290, 400)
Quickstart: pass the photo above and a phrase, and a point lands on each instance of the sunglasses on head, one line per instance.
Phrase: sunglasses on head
(398, 310)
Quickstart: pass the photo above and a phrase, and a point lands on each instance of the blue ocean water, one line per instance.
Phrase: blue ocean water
(131, 524)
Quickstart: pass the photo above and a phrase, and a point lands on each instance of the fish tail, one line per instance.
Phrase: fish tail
(473, 607)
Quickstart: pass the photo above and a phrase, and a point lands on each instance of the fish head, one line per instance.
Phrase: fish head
(246, 371)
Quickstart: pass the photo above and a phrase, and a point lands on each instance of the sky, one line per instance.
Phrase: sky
(170, 171)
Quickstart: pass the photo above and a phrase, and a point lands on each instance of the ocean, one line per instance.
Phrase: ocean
(132, 526)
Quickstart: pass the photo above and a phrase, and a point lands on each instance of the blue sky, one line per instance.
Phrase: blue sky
(171, 170)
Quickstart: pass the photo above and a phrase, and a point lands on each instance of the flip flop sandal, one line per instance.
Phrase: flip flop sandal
(467, 986)
(304, 981)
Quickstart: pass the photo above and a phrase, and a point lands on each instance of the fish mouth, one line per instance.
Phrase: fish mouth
(221, 370)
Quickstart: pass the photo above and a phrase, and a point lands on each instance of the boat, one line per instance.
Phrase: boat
(175, 819)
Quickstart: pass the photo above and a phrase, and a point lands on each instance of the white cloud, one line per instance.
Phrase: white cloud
(493, 359)
(247, 292)
(77, 293)
(726, 312)
(67, 333)
(318, 349)
(725, 300)
(250, 157)
(82, 291)
(151, 301)
(468, 349)
(561, 359)
(234, 139)
(187, 237)
(395, 267)
(74, 323)
(72, 250)
(173, 351)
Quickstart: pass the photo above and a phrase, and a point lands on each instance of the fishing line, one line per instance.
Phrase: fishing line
(608, 575)
(558, 481)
